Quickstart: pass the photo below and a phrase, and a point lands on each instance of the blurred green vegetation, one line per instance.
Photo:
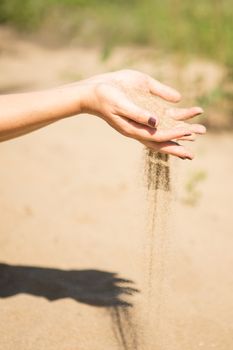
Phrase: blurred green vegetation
(200, 27)
(193, 194)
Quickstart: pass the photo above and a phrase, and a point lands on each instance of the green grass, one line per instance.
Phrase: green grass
(193, 194)
(200, 27)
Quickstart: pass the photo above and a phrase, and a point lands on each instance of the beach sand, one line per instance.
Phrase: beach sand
(72, 243)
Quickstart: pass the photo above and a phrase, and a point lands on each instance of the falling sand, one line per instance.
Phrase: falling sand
(158, 183)
(157, 171)
(150, 335)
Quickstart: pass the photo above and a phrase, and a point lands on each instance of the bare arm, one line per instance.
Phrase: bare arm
(102, 96)
(23, 113)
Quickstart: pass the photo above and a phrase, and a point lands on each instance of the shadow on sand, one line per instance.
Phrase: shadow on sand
(92, 287)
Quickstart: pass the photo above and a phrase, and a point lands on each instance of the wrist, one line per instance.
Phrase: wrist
(69, 100)
(84, 92)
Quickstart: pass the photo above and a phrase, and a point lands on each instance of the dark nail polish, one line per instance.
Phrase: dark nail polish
(152, 121)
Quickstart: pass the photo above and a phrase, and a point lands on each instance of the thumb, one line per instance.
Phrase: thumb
(130, 110)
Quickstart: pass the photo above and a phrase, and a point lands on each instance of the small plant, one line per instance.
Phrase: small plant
(213, 96)
(218, 102)
(192, 193)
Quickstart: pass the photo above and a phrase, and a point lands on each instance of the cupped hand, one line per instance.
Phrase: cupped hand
(177, 117)
(105, 95)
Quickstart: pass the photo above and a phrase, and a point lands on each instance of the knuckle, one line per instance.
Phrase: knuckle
(141, 116)
(101, 89)
(127, 131)
(127, 71)
(118, 106)
(148, 78)
(139, 119)
(158, 138)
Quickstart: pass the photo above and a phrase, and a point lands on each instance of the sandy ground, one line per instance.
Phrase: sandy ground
(73, 213)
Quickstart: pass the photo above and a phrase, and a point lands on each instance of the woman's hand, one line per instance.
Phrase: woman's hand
(172, 147)
(105, 95)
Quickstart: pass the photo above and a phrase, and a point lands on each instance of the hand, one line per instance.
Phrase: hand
(178, 116)
(105, 95)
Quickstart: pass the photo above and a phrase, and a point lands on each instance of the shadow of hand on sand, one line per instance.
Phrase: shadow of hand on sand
(93, 287)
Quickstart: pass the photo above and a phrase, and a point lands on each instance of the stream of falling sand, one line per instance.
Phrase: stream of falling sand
(156, 253)
(126, 330)
(158, 182)
(152, 334)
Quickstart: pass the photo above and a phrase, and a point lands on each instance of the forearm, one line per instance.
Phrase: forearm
(23, 113)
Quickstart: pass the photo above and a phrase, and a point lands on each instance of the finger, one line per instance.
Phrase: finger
(130, 110)
(197, 129)
(164, 91)
(193, 128)
(171, 134)
(184, 113)
(142, 132)
(169, 147)
(192, 137)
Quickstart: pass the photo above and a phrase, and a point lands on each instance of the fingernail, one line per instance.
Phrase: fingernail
(184, 158)
(200, 111)
(152, 121)
(203, 129)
